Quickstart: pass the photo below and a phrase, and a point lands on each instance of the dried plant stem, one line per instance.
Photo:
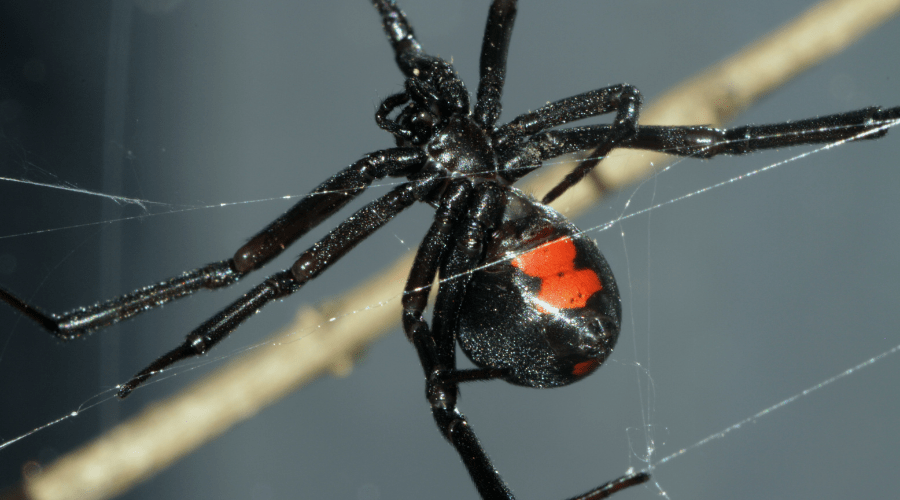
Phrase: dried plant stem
(137, 449)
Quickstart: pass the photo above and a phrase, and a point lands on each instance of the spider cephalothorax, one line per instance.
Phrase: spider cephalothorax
(528, 298)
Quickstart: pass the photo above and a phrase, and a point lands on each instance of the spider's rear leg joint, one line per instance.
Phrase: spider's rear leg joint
(198, 343)
(414, 324)
(441, 393)
(307, 267)
(458, 426)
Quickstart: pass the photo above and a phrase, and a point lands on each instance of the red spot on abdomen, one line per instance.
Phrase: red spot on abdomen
(562, 286)
(585, 367)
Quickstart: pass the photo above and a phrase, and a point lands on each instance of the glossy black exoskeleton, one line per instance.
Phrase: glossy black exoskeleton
(529, 299)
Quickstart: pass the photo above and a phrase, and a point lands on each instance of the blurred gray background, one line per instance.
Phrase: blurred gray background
(734, 300)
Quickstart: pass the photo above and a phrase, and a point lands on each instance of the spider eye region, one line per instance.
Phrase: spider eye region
(547, 311)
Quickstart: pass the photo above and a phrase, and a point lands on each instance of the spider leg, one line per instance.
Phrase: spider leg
(616, 485)
(624, 99)
(400, 33)
(436, 347)
(428, 257)
(702, 141)
(77, 322)
(623, 127)
(706, 142)
(311, 263)
(494, 49)
(322, 202)
(549, 145)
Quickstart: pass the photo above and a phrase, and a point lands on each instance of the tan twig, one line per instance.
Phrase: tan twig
(137, 449)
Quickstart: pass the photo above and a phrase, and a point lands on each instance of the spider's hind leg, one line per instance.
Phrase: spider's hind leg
(444, 248)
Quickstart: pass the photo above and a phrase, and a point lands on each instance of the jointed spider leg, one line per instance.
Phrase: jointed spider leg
(624, 99)
(75, 323)
(616, 485)
(454, 244)
(706, 142)
(494, 49)
(400, 34)
(311, 263)
(218, 327)
(428, 256)
(418, 285)
(322, 202)
(627, 103)
(702, 141)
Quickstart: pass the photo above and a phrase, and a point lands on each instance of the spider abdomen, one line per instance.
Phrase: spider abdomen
(547, 311)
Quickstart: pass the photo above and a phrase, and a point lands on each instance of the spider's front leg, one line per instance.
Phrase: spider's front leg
(322, 202)
(311, 264)
(698, 140)
(706, 142)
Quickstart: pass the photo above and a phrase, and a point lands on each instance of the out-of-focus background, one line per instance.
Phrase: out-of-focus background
(734, 300)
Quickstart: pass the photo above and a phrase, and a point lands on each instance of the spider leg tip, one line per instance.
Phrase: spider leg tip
(124, 390)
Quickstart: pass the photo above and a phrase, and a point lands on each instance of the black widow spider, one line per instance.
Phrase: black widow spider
(410, 124)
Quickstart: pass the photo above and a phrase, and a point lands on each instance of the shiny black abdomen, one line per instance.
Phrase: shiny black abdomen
(548, 309)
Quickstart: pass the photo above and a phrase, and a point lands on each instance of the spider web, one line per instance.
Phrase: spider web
(740, 297)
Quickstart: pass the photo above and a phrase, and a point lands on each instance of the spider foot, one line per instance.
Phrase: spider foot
(183, 351)
(46, 321)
